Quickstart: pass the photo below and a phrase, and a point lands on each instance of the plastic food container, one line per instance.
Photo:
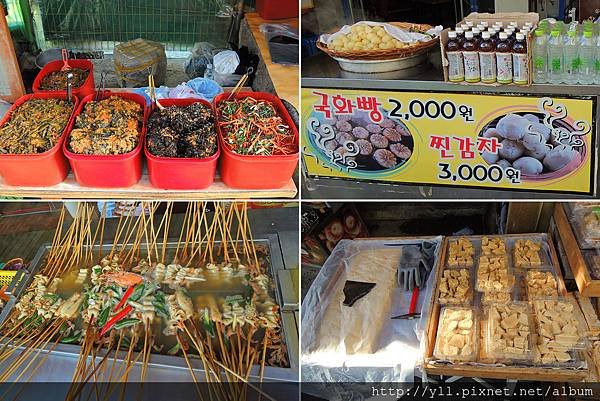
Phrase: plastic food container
(451, 344)
(508, 335)
(461, 277)
(543, 253)
(84, 90)
(544, 357)
(277, 9)
(458, 256)
(109, 171)
(39, 169)
(256, 172)
(541, 284)
(586, 227)
(498, 279)
(560, 323)
(495, 297)
(179, 172)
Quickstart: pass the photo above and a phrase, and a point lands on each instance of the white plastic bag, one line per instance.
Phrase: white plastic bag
(330, 340)
(226, 62)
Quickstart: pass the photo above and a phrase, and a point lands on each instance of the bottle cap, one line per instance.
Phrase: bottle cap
(452, 34)
(499, 23)
(572, 34)
(470, 23)
(503, 36)
(492, 31)
(539, 32)
(459, 31)
(520, 36)
(476, 31)
(484, 23)
(555, 34)
(469, 35)
(485, 35)
(588, 34)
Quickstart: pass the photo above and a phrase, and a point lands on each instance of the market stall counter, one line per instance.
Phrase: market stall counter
(406, 131)
(182, 149)
(61, 360)
(491, 307)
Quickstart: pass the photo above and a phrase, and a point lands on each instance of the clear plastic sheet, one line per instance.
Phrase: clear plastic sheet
(354, 344)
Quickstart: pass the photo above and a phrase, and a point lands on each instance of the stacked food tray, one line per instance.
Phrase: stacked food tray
(506, 314)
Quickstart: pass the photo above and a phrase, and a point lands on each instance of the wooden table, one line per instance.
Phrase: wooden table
(70, 189)
(285, 78)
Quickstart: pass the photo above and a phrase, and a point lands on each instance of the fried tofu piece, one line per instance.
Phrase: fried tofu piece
(558, 324)
(541, 284)
(455, 287)
(461, 253)
(456, 334)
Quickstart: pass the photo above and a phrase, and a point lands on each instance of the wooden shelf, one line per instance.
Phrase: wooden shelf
(70, 189)
(587, 286)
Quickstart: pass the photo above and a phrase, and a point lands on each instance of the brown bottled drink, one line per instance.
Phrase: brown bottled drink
(454, 52)
(460, 35)
(504, 72)
(476, 35)
(471, 58)
(487, 59)
(519, 60)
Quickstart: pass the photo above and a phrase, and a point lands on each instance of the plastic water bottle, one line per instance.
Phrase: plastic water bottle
(587, 54)
(572, 60)
(209, 72)
(597, 61)
(555, 58)
(540, 57)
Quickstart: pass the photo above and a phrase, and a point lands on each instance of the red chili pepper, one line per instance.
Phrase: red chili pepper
(119, 316)
(3, 295)
(125, 298)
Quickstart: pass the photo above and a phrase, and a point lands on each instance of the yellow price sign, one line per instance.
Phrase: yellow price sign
(486, 141)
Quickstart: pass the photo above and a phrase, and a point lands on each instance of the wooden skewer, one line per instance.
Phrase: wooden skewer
(187, 361)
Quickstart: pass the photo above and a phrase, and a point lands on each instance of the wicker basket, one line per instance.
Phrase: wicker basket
(390, 54)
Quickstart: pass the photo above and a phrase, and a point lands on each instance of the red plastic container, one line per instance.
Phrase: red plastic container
(257, 172)
(39, 169)
(109, 171)
(181, 172)
(84, 90)
(277, 9)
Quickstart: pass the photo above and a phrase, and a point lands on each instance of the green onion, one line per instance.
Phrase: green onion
(126, 323)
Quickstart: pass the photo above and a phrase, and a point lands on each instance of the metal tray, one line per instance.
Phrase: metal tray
(177, 364)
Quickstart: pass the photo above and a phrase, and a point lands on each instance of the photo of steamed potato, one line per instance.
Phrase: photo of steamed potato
(528, 145)
(381, 146)
(364, 37)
